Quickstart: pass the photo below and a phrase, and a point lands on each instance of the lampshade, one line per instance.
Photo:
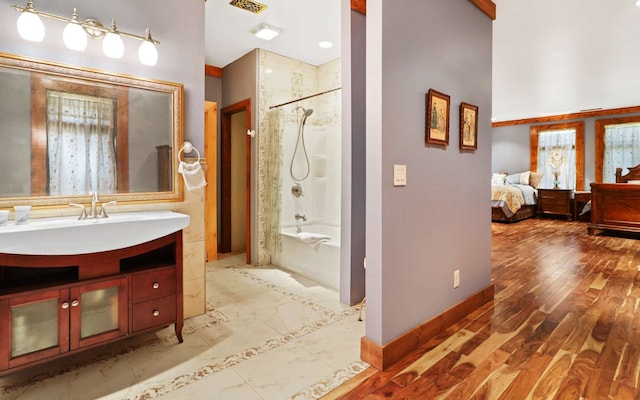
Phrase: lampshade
(147, 53)
(73, 35)
(112, 43)
(30, 26)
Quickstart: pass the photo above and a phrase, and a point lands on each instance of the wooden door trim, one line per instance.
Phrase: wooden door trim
(211, 200)
(225, 176)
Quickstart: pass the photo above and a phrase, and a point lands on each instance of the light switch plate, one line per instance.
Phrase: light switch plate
(399, 175)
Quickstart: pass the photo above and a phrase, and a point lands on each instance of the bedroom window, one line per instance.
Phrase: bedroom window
(617, 146)
(557, 151)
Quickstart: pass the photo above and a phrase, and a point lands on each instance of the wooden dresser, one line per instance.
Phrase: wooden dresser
(555, 202)
(52, 306)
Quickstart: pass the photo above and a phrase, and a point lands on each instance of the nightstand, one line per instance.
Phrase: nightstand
(580, 199)
(555, 202)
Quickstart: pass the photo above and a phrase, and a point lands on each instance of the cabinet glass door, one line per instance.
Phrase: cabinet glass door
(99, 311)
(34, 327)
(37, 326)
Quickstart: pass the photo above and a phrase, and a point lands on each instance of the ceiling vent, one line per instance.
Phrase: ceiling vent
(251, 6)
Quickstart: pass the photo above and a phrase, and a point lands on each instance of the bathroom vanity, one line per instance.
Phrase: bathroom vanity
(53, 305)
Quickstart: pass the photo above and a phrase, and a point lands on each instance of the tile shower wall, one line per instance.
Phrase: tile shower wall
(282, 79)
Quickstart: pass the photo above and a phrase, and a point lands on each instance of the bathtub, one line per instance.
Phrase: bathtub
(321, 263)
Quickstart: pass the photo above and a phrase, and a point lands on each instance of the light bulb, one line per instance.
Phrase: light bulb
(30, 26)
(112, 43)
(73, 35)
(147, 53)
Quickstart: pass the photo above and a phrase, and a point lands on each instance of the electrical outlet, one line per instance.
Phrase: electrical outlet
(456, 278)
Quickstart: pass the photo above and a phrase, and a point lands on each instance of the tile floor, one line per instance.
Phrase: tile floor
(268, 335)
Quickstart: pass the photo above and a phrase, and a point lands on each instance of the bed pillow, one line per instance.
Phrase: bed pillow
(498, 178)
(521, 178)
(535, 178)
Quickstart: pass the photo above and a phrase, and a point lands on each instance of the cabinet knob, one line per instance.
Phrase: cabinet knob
(75, 303)
(155, 285)
(156, 313)
(65, 305)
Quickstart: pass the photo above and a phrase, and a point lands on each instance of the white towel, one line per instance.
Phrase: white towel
(192, 174)
(312, 239)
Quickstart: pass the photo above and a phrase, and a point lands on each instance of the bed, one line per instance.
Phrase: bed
(616, 206)
(514, 197)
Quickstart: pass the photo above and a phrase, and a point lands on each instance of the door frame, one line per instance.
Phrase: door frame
(225, 176)
(211, 200)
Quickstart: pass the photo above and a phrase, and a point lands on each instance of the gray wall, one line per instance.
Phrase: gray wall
(419, 234)
(178, 27)
(511, 150)
(353, 201)
(240, 82)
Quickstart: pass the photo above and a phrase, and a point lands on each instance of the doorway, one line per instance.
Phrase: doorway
(235, 180)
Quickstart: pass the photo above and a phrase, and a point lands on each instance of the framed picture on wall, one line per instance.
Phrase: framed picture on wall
(437, 124)
(468, 126)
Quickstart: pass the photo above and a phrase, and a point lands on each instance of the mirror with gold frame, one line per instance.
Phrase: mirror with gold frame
(67, 131)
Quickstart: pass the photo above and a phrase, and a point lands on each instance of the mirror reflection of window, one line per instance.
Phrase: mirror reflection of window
(80, 144)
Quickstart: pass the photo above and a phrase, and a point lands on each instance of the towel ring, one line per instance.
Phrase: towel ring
(188, 148)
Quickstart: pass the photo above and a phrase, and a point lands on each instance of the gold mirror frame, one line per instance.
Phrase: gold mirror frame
(89, 76)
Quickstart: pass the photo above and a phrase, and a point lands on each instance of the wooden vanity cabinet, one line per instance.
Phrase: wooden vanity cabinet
(47, 308)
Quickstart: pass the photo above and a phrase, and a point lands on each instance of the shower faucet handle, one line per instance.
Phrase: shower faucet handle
(296, 190)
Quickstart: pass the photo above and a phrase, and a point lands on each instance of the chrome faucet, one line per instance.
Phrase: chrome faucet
(301, 217)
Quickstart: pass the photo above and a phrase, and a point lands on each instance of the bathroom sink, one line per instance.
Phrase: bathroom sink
(68, 235)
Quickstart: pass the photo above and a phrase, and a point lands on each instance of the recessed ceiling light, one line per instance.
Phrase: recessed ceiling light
(327, 45)
(638, 2)
(266, 32)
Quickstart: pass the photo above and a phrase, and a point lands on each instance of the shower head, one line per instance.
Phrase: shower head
(305, 111)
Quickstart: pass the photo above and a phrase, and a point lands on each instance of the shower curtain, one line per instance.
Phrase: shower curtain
(273, 183)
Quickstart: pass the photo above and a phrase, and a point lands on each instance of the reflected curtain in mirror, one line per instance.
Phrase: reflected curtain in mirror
(83, 163)
(81, 144)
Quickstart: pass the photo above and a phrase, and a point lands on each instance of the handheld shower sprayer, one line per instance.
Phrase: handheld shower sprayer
(305, 114)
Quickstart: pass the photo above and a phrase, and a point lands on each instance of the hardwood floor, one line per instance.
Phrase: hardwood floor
(564, 324)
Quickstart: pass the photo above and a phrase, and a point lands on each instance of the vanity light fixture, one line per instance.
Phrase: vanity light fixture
(73, 35)
(266, 32)
(147, 53)
(112, 43)
(325, 44)
(30, 27)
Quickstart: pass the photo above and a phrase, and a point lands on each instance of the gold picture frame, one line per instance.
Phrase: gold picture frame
(437, 124)
(468, 126)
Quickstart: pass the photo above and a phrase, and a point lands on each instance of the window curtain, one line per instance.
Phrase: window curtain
(621, 149)
(557, 158)
(273, 181)
(80, 144)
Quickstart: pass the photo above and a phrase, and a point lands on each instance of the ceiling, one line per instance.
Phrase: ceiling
(302, 23)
